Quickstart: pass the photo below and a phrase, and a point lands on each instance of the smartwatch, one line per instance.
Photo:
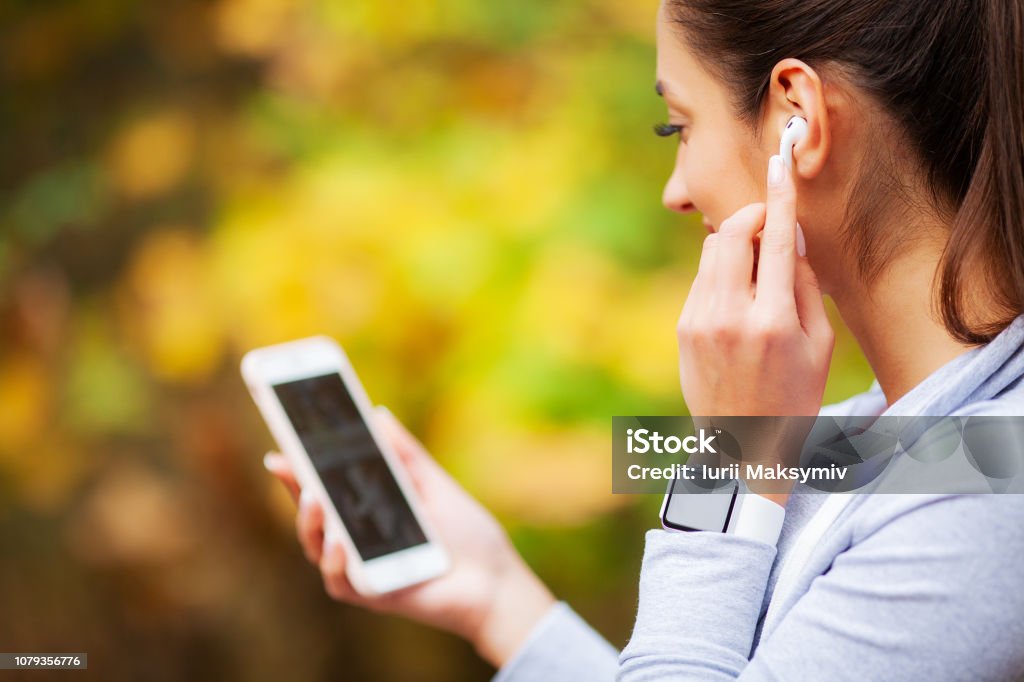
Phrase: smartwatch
(721, 506)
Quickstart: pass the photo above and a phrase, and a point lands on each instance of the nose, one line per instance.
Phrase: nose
(675, 197)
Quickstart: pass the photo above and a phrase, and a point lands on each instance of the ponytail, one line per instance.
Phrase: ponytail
(987, 235)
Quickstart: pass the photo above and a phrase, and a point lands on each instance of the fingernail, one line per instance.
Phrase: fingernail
(776, 170)
(801, 243)
(383, 409)
(266, 462)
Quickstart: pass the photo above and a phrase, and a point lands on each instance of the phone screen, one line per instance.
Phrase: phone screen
(351, 466)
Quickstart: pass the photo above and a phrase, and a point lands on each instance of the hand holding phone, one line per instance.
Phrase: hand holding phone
(320, 416)
(489, 597)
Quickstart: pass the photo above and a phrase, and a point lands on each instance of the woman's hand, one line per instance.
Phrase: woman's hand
(754, 338)
(755, 342)
(489, 596)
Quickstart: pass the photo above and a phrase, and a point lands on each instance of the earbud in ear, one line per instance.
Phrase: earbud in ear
(795, 130)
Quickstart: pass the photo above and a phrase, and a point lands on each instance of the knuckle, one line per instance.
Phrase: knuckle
(687, 333)
(682, 329)
(311, 551)
(770, 327)
(701, 338)
(304, 524)
(727, 226)
(333, 587)
(750, 214)
(784, 193)
(331, 571)
(743, 222)
(776, 245)
(684, 313)
(732, 226)
(689, 324)
(722, 331)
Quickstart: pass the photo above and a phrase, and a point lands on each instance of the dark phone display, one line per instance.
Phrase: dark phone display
(351, 466)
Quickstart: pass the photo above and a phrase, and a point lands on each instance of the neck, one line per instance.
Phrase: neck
(894, 322)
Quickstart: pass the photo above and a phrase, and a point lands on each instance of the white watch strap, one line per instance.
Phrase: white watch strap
(756, 517)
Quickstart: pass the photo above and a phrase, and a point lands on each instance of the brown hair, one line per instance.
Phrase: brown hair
(948, 77)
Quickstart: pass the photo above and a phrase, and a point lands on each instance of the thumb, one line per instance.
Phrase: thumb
(810, 303)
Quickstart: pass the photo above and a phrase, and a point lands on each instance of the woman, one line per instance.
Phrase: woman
(912, 168)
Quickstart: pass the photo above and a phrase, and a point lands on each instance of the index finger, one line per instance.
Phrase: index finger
(735, 258)
(776, 268)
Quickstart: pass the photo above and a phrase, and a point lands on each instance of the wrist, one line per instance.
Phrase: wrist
(519, 602)
(778, 498)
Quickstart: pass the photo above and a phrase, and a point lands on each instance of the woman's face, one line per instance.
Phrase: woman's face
(722, 167)
(719, 167)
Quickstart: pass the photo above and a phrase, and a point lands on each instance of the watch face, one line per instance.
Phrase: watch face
(690, 505)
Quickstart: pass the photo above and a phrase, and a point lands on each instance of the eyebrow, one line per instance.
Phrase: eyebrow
(659, 89)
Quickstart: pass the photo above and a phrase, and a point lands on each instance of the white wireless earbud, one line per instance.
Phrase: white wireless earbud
(795, 130)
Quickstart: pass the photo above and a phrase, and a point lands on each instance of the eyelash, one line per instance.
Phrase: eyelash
(668, 129)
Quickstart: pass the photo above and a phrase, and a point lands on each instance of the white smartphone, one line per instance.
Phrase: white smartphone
(321, 417)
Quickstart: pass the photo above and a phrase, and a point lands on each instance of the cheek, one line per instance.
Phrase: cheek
(719, 183)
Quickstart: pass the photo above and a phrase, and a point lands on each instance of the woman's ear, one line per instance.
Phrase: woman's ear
(795, 89)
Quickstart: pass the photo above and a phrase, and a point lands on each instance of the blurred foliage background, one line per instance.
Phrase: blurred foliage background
(465, 194)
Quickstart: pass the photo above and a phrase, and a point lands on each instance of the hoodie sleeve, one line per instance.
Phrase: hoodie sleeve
(925, 590)
(561, 647)
(699, 602)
